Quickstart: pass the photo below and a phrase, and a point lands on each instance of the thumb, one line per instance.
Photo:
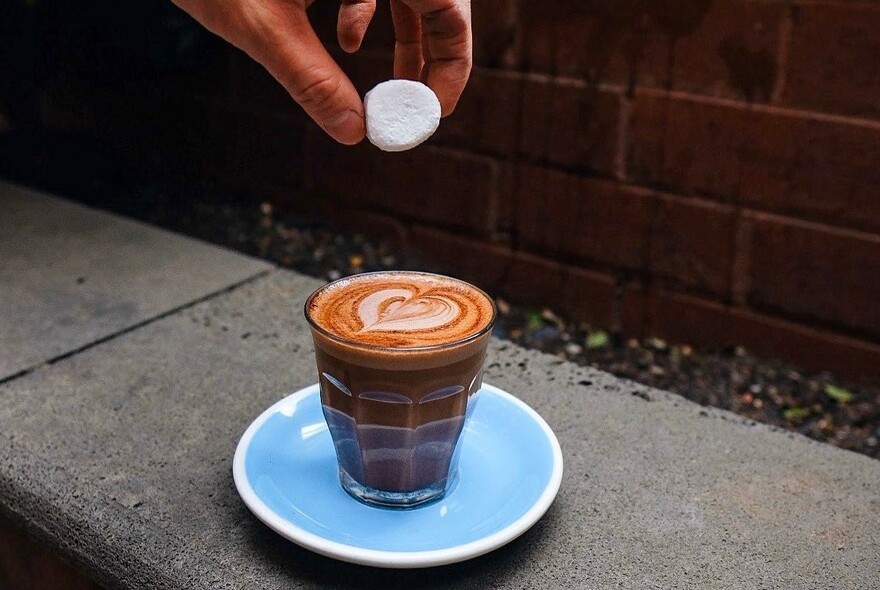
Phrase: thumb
(298, 60)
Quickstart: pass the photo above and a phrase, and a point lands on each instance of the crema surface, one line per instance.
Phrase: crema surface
(401, 309)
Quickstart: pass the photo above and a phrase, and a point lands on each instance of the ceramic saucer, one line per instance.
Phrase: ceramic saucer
(509, 472)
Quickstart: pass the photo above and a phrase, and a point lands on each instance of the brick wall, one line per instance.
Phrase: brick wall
(705, 171)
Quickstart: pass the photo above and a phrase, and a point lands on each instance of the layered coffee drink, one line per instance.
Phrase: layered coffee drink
(400, 359)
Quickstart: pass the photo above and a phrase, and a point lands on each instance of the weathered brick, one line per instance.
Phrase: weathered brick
(814, 168)
(725, 48)
(786, 161)
(588, 296)
(482, 264)
(430, 184)
(570, 124)
(522, 278)
(687, 319)
(596, 220)
(811, 348)
(815, 272)
(495, 32)
(594, 39)
(718, 48)
(692, 243)
(691, 320)
(832, 59)
(686, 145)
(487, 116)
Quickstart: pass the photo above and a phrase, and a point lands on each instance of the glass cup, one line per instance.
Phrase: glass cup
(396, 413)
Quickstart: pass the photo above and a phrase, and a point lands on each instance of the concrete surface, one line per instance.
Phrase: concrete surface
(120, 456)
(71, 275)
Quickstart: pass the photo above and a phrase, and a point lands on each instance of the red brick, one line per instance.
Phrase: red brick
(588, 296)
(487, 116)
(833, 61)
(822, 169)
(632, 310)
(813, 349)
(430, 184)
(495, 32)
(569, 123)
(686, 319)
(692, 243)
(689, 146)
(816, 272)
(484, 265)
(507, 198)
(521, 278)
(373, 225)
(725, 48)
(594, 39)
(595, 220)
(718, 48)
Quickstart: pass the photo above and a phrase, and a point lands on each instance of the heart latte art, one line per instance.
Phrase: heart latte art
(400, 309)
(403, 309)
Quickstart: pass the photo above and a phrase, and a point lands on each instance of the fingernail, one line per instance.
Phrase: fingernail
(347, 127)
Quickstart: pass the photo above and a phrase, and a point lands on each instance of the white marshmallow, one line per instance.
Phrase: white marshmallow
(401, 114)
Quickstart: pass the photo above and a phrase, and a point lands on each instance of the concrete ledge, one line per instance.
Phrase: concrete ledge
(71, 275)
(139, 432)
(119, 455)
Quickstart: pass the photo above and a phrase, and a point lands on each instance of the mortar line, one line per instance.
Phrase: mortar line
(137, 326)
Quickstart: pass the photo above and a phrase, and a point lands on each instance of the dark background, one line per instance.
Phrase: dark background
(703, 171)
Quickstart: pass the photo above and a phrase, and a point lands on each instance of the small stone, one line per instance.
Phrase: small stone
(333, 274)
(503, 306)
(871, 441)
(632, 343)
(573, 349)
(657, 344)
(266, 208)
(657, 371)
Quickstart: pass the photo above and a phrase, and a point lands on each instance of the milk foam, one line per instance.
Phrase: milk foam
(401, 309)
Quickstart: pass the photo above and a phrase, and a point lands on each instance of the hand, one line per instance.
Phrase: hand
(433, 44)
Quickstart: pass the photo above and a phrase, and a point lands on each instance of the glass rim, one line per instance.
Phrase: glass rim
(405, 349)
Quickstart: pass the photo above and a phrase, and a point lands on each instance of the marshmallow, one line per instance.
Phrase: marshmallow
(401, 114)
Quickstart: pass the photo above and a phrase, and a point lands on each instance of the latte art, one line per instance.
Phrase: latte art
(389, 310)
(401, 309)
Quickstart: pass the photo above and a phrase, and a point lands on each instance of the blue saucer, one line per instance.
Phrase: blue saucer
(509, 472)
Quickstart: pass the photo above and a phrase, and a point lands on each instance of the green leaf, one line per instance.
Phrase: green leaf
(597, 339)
(533, 320)
(839, 393)
(796, 413)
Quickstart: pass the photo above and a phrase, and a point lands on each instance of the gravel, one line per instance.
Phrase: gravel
(817, 404)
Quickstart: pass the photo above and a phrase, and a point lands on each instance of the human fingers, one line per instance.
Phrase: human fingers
(446, 28)
(354, 18)
(408, 59)
(291, 51)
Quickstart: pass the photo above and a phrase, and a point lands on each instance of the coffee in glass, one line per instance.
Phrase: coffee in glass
(400, 359)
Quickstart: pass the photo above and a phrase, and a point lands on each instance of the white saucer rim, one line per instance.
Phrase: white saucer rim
(393, 559)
